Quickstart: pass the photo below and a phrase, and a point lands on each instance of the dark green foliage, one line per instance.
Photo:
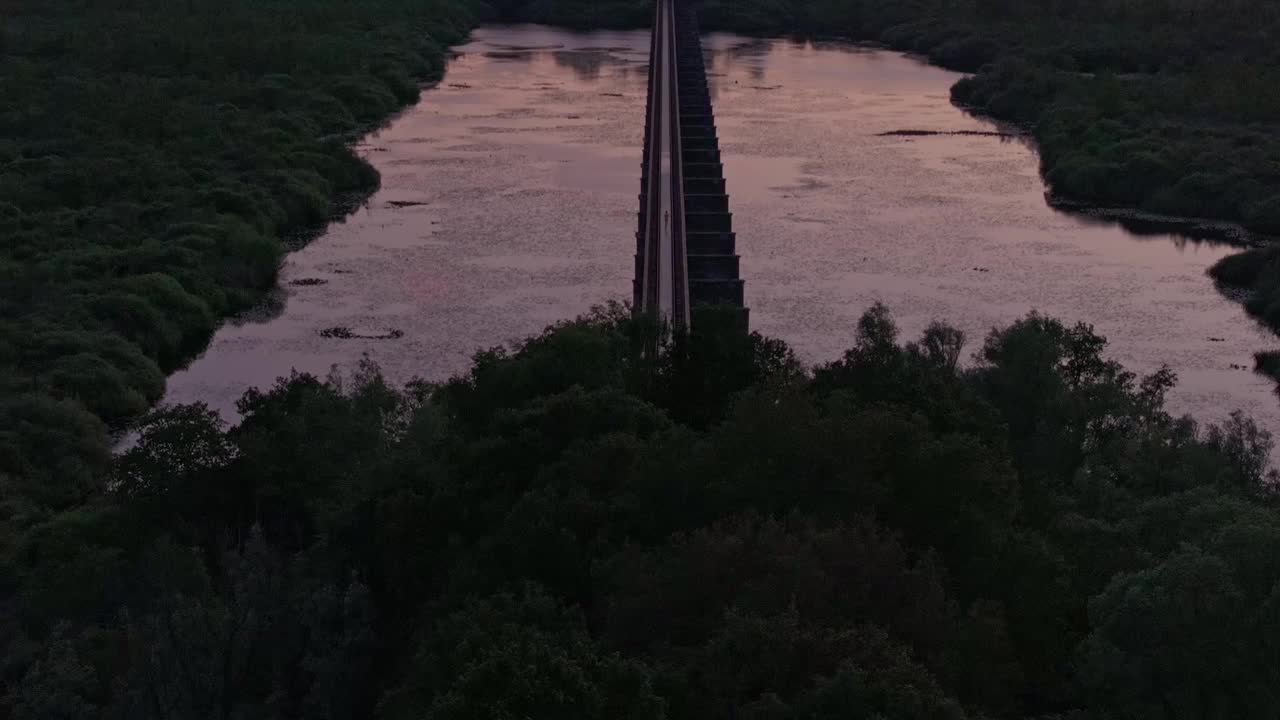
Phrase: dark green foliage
(965, 53)
(1185, 634)
(510, 658)
(1258, 270)
(152, 156)
(1268, 363)
(560, 533)
(1266, 215)
(583, 14)
(51, 451)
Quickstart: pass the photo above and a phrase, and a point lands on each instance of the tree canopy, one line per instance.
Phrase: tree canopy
(902, 533)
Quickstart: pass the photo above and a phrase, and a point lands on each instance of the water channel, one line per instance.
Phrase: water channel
(510, 191)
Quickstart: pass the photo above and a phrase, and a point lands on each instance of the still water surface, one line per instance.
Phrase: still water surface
(509, 197)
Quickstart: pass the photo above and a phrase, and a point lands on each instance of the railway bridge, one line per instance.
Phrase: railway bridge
(685, 245)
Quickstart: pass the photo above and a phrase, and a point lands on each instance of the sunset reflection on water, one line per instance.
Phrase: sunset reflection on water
(509, 201)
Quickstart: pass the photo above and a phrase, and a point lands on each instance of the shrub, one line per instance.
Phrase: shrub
(1265, 216)
(966, 54)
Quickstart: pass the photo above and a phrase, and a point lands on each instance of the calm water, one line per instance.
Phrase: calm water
(510, 192)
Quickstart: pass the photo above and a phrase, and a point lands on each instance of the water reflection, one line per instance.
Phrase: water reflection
(1181, 233)
(586, 64)
(516, 55)
(723, 56)
(509, 196)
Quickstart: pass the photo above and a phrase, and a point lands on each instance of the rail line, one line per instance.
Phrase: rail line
(685, 246)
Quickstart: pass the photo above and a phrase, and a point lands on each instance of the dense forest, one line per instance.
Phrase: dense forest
(156, 158)
(583, 526)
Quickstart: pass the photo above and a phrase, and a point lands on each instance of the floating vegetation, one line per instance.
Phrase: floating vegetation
(342, 332)
(973, 133)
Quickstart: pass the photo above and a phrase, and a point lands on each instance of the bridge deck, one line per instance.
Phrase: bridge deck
(685, 245)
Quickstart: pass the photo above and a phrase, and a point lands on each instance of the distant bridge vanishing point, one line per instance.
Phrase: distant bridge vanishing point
(685, 246)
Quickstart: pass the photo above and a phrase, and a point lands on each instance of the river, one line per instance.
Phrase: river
(510, 190)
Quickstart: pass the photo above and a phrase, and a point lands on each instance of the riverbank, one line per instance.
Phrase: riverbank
(156, 164)
(1161, 108)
